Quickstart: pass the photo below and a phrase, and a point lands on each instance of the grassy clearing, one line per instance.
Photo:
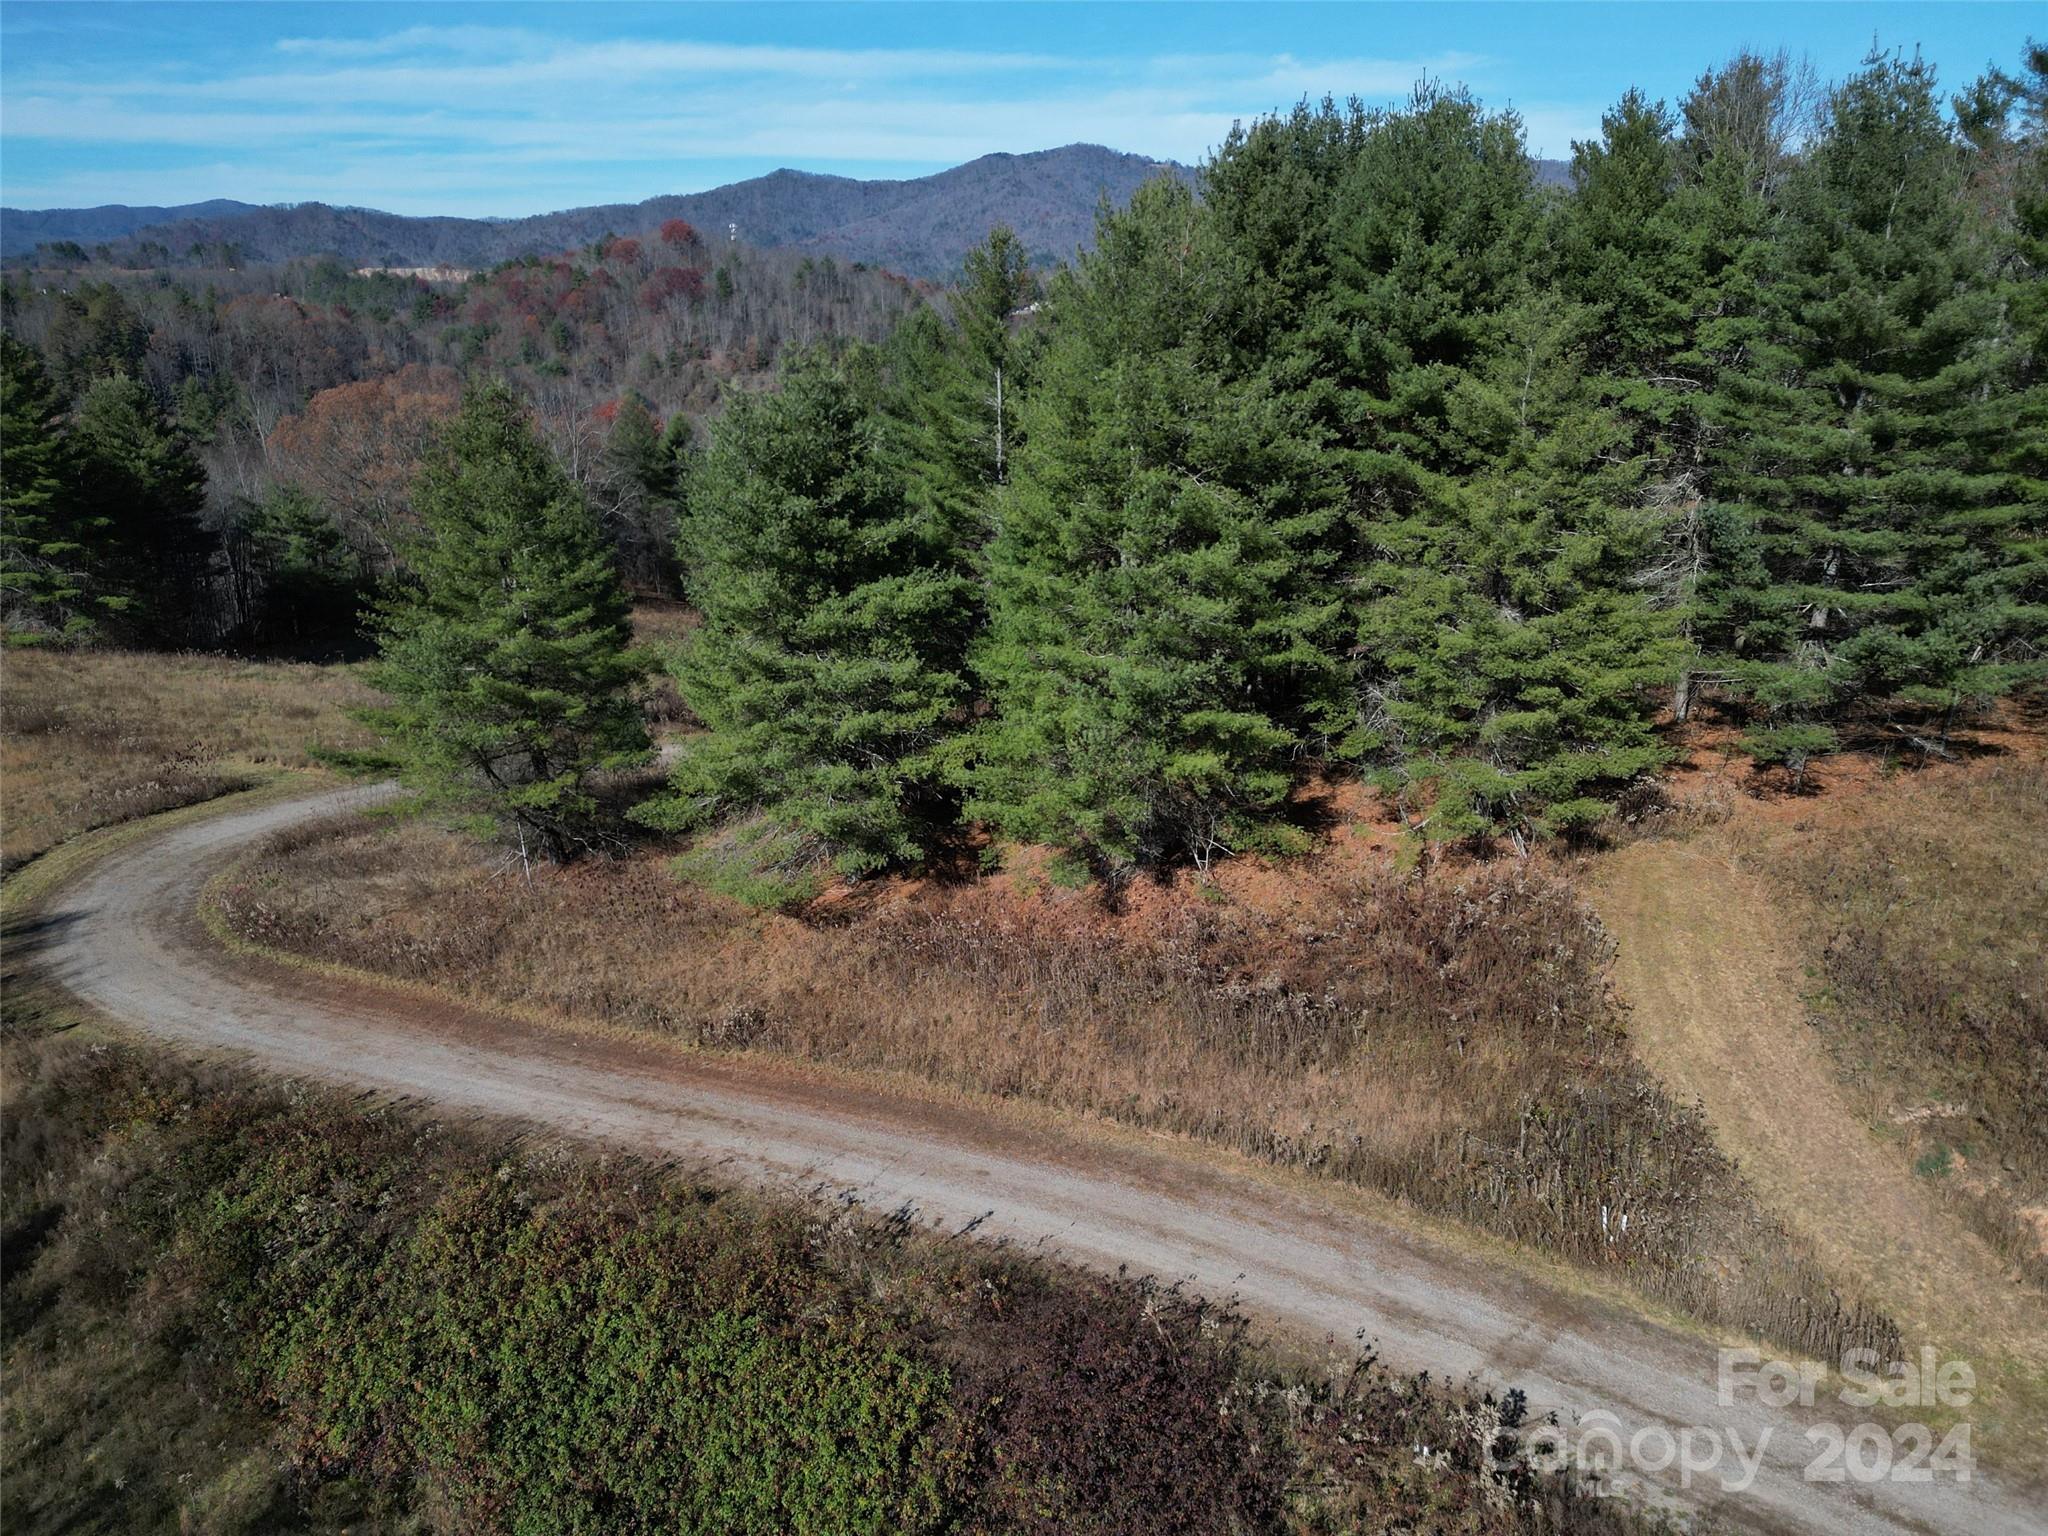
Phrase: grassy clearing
(94, 738)
(1927, 913)
(1443, 1038)
(236, 1307)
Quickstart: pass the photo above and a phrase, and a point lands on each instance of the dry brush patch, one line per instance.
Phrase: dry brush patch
(242, 1306)
(1925, 917)
(93, 738)
(1444, 1037)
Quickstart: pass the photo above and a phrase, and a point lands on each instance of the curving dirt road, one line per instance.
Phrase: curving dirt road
(125, 938)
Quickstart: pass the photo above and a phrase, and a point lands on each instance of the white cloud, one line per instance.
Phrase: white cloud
(475, 119)
(1551, 128)
(454, 39)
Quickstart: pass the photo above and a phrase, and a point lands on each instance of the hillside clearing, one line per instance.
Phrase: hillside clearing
(1711, 981)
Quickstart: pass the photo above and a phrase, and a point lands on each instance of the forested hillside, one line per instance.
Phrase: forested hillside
(1369, 454)
(23, 229)
(273, 418)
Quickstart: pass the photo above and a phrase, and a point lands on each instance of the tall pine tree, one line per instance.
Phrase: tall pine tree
(1662, 242)
(1519, 648)
(827, 668)
(1503, 642)
(958, 383)
(142, 490)
(2013, 195)
(47, 591)
(1158, 585)
(306, 584)
(507, 655)
(1862, 441)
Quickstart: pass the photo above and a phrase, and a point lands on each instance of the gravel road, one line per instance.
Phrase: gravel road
(125, 938)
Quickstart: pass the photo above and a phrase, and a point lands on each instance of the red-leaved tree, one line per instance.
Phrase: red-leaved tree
(358, 447)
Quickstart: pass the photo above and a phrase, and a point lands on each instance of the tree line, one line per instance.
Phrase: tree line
(306, 395)
(1365, 453)
(1371, 453)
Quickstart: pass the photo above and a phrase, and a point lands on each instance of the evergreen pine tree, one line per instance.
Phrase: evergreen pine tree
(1515, 642)
(46, 592)
(143, 490)
(1272, 191)
(1662, 242)
(309, 583)
(1862, 441)
(1622, 254)
(641, 490)
(1734, 152)
(676, 459)
(1155, 652)
(1434, 246)
(827, 668)
(2021, 223)
(507, 655)
(1503, 641)
(96, 333)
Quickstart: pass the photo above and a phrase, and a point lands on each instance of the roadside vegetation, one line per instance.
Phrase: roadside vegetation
(242, 1307)
(1443, 1037)
(1371, 466)
(92, 738)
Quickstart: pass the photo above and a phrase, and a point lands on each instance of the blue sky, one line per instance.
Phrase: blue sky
(509, 109)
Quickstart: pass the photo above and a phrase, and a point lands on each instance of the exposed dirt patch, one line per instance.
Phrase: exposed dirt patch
(1708, 965)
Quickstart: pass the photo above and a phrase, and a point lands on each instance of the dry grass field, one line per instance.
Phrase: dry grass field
(91, 738)
(1854, 988)
(1926, 929)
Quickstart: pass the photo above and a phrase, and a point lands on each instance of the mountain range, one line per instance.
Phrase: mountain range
(922, 226)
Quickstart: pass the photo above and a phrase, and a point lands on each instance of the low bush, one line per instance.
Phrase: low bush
(756, 864)
(239, 1307)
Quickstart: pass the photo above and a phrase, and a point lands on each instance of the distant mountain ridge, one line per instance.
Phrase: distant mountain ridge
(922, 226)
(23, 229)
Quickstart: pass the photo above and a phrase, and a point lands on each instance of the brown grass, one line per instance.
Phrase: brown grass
(98, 737)
(1445, 1037)
(1928, 911)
